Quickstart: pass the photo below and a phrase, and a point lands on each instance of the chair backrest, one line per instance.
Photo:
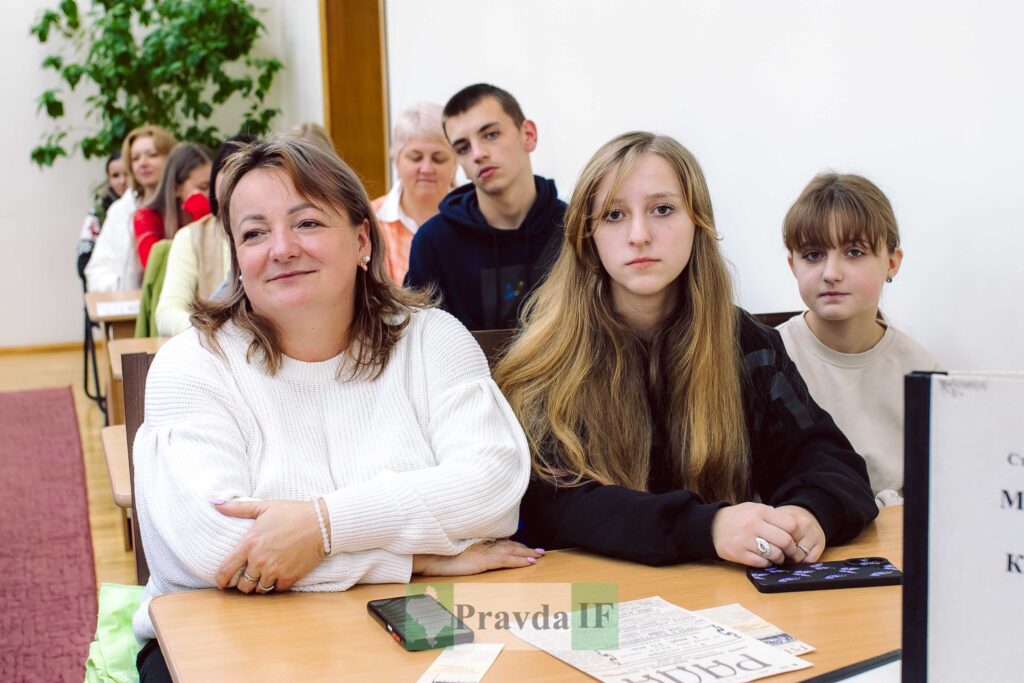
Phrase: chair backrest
(494, 343)
(134, 368)
(775, 319)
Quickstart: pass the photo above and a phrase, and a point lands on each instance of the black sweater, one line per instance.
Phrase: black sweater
(484, 274)
(798, 457)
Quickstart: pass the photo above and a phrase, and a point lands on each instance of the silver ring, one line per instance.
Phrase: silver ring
(764, 548)
(245, 575)
(260, 588)
(803, 550)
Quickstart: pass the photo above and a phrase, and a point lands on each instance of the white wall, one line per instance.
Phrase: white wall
(921, 97)
(40, 294)
(293, 35)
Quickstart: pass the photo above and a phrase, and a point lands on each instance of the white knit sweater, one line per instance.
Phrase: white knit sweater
(427, 458)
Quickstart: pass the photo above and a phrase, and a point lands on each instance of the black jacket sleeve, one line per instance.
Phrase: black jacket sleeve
(799, 456)
(654, 529)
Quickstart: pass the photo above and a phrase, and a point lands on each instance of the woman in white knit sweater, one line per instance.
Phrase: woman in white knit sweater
(319, 427)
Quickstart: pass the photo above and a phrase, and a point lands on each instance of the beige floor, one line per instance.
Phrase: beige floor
(39, 370)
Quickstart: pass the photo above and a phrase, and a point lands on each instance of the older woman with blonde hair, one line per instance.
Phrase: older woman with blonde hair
(425, 166)
(318, 427)
(667, 425)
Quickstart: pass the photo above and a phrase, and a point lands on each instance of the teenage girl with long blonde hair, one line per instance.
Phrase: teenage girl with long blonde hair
(657, 411)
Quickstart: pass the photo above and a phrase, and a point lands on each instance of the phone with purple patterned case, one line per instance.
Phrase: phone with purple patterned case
(857, 572)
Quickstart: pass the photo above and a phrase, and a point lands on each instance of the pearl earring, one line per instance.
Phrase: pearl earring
(889, 279)
(239, 277)
(365, 262)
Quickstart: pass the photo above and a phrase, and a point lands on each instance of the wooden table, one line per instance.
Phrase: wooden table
(115, 385)
(115, 326)
(115, 452)
(218, 635)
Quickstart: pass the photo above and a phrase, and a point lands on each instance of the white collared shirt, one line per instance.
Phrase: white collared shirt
(391, 210)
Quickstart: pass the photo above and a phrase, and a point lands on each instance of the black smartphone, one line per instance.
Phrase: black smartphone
(856, 572)
(419, 622)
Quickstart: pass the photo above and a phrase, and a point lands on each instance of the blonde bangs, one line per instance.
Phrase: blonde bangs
(839, 209)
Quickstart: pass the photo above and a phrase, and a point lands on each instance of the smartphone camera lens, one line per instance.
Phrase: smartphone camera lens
(866, 561)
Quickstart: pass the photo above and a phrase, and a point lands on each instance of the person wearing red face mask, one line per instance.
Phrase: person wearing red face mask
(181, 197)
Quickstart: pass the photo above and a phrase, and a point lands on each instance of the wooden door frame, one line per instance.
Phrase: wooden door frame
(354, 53)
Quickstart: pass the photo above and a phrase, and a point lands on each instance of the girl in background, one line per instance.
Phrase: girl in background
(112, 190)
(425, 167)
(180, 198)
(199, 259)
(114, 264)
(844, 246)
(656, 411)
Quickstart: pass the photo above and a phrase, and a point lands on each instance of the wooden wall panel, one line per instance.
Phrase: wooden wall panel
(355, 86)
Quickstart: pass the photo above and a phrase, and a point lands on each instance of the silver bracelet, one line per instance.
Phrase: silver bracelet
(323, 527)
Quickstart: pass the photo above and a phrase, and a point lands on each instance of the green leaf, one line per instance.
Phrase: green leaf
(72, 74)
(53, 106)
(70, 10)
(45, 155)
(42, 29)
(53, 62)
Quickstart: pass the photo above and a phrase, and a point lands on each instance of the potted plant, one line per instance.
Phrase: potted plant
(168, 62)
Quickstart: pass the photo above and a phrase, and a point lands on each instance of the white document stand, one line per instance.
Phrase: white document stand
(963, 583)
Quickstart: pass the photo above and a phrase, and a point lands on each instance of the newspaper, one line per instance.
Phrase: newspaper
(659, 642)
(739, 618)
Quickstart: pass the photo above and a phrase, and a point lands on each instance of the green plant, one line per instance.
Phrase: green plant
(168, 62)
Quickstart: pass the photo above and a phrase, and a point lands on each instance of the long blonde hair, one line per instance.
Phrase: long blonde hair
(588, 389)
(319, 175)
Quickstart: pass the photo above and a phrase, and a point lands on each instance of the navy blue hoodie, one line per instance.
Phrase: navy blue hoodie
(483, 273)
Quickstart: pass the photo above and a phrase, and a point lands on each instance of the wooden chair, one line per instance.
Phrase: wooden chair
(494, 343)
(134, 368)
(774, 319)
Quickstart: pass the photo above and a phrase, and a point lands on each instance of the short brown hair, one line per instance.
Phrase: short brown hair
(381, 310)
(840, 208)
(162, 140)
(468, 97)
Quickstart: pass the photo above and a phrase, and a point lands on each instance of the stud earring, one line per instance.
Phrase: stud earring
(889, 279)
(364, 263)
(239, 277)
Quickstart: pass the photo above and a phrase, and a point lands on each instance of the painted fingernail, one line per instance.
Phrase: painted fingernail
(532, 560)
(539, 550)
(217, 501)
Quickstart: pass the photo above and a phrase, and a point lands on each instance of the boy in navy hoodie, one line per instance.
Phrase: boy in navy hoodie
(494, 239)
